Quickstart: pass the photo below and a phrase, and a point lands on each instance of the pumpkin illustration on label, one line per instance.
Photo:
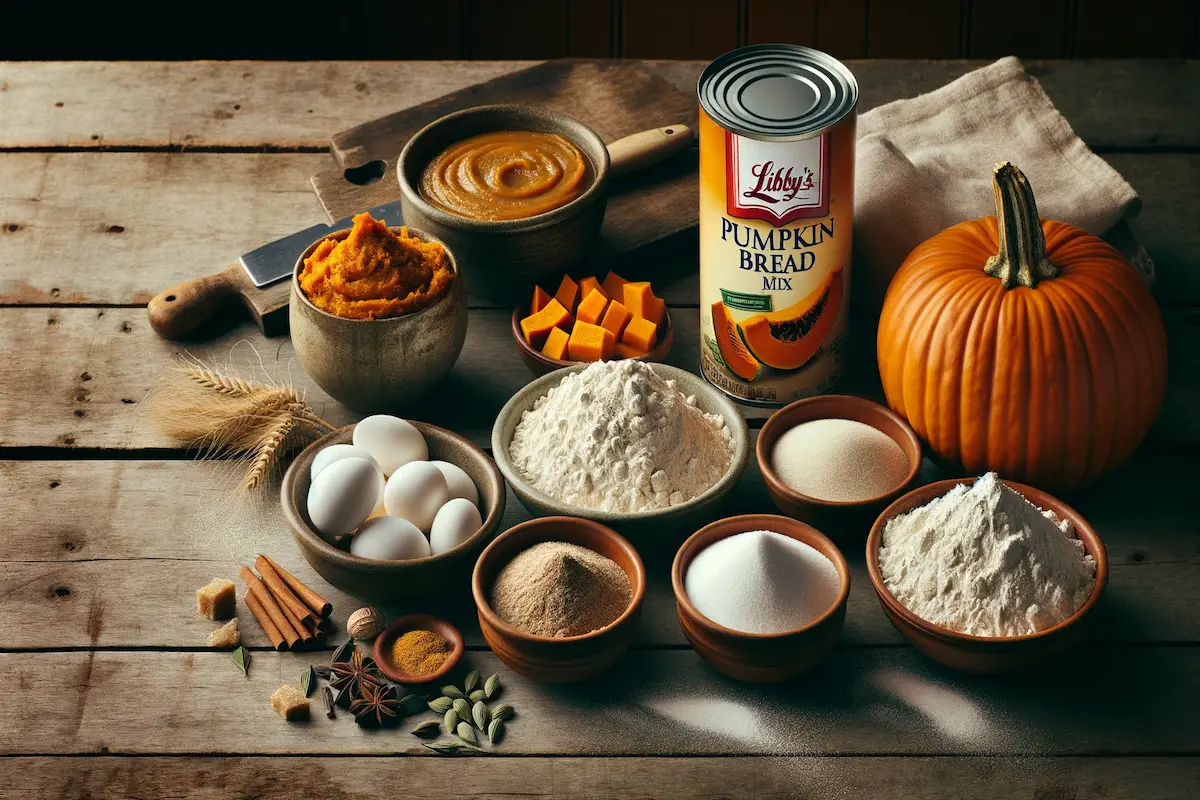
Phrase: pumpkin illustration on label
(1023, 346)
(729, 342)
(787, 339)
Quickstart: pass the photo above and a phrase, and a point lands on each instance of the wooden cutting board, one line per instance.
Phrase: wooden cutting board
(614, 99)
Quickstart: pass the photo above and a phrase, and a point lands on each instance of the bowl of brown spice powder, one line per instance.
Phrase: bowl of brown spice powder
(559, 597)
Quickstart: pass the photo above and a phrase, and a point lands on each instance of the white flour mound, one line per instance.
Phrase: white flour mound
(983, 560)
(618, 437)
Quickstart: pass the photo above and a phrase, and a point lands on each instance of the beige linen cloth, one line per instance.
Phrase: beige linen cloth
(925, 163)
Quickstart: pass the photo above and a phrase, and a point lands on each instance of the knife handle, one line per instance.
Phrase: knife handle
(176, 312)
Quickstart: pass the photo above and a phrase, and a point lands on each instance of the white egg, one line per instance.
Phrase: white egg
(392, 441)
(389, 539)
(416, 491)
(336, 452)
(454, 524)
(458, 481)
(343, 495)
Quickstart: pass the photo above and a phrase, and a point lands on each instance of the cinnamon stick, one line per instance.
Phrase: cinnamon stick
(319, 605)
(264, 621)
(306, 635)
(259, 589)
(298, 610)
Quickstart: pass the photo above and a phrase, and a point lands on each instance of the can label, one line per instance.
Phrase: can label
(775, 231)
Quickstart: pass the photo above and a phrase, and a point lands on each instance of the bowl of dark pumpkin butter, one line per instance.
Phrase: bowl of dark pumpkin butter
(517, 192)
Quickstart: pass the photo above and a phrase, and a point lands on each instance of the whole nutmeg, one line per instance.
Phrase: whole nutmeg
(366, 623)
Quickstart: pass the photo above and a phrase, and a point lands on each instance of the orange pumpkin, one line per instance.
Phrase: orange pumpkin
(1027, 347)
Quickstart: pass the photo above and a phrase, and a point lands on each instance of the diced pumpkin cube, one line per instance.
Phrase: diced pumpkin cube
(537, 327)
(614, 286)
(567, 294)
(640, 333)
(625, 351)
(556, 344)
(591, 308)
(540, 299)
(590, 343)
(641, 302)
(616, 318)
(586, 285)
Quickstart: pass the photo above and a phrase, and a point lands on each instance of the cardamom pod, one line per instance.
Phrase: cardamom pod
(463, 708)
(427, 729)
(308, 681)
(477, 696)
(479, 713)
(241, 660)
(471, 682)
(491, 686)
(467, 734)
(496, 731)
(453, 692)
(450, 721)
(502, 711)
(449, 747)
(440, 705)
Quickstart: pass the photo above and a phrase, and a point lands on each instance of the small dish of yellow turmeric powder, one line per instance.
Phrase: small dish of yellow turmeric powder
(375, 272)
(418, 648)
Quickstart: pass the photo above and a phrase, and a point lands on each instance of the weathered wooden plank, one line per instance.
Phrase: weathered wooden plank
(877, 701)
(144, 221)
(93, 367)
(1145, 103)
(155, 530)
(806, 778)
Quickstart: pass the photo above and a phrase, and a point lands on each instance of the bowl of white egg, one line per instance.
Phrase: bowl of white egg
(391, 509)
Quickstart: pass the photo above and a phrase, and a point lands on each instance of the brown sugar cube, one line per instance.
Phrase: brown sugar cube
(218, 600)
(290, 702)
(226, 636)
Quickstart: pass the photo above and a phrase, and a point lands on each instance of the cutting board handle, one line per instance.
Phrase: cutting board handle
(640, 150)
(178, 311)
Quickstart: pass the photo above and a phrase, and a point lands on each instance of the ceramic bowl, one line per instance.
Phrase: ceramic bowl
(380, 365)
(661, 525)
(838, 519)
(986, 654)
(544, 658)
(502, 259)
(760, 658)
(541, 364)
(385, 582)
(382, 651)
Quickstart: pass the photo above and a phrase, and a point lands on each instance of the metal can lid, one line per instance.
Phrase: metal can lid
(777, 91)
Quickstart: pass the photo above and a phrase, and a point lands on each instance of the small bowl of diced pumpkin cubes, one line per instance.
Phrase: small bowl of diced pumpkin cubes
(592, 320)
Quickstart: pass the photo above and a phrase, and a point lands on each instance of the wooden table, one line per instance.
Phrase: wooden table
(119, 179)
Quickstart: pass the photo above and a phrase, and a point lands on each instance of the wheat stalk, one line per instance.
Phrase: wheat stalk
(220, 413)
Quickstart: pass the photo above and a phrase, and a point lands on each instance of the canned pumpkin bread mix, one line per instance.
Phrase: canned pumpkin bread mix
(776, 203)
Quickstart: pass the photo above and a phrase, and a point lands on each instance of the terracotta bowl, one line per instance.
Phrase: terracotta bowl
(540, 364)
(380, 365)
(571, 658)
(756, 657)
(648, 528)
(985, 654)
(838, 519)
(384, 582)
(382, 652)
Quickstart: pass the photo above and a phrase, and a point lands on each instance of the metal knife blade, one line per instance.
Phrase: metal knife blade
(274, 261)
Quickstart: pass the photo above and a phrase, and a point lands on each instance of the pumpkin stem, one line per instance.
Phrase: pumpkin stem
(1022, 260)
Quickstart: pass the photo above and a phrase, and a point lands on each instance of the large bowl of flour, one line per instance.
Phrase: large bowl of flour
(648, 449)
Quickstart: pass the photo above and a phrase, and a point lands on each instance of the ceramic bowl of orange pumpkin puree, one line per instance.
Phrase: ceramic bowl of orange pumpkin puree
(516, 192)
(378, 314)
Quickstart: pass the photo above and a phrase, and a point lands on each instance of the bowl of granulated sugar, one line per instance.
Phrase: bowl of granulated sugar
(836, 461)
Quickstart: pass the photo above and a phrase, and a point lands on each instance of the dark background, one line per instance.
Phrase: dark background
(531, 29)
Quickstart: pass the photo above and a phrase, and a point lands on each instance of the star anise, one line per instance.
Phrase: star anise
(352, 676)
(376, 706)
